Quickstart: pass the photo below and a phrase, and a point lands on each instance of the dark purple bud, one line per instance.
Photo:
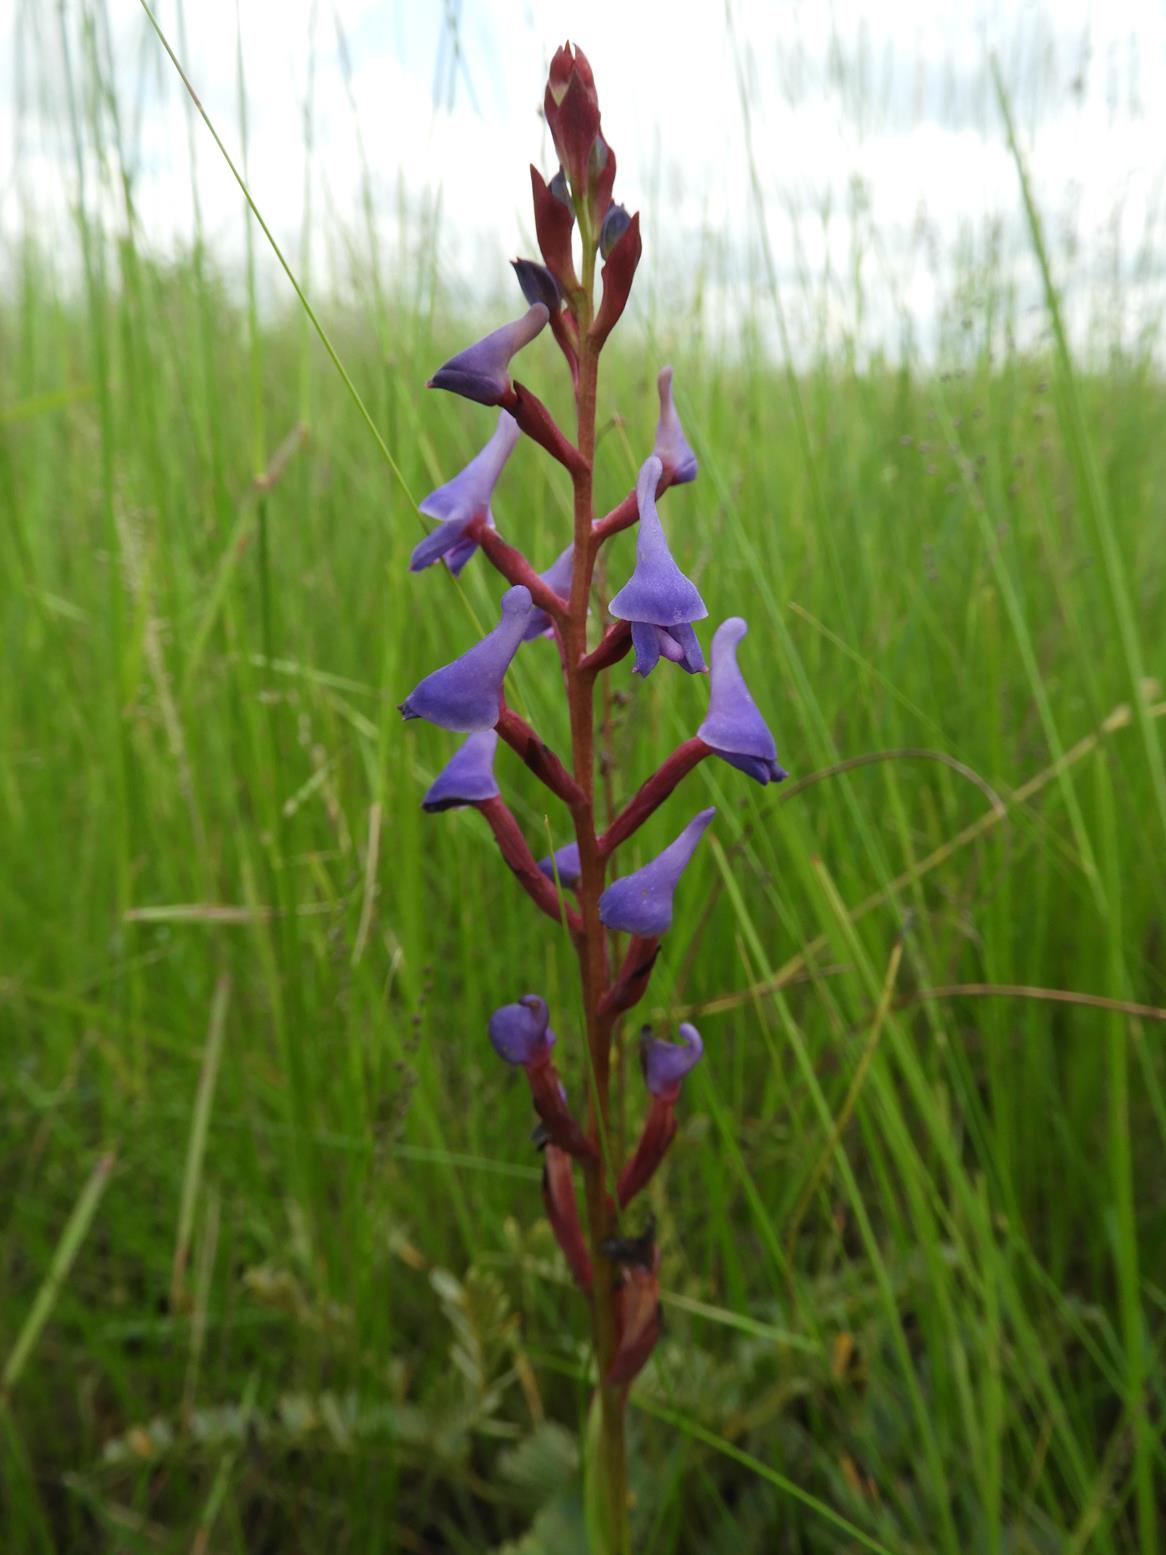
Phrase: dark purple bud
(672, 448)
(557, 577)
(521, 1033)
(658, 595)
(615, 224)
(733, 728)
(619, 271)
(538, 284)
(481, 371)
(666, 1063)
(467, 777)
(564, 863)
(558, 187)
(462, 499)
(467, 695)
(641, 903)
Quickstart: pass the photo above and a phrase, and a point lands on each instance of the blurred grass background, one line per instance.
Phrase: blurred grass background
(272, 1272)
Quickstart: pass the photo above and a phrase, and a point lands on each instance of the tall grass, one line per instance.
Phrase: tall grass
(271, 1269)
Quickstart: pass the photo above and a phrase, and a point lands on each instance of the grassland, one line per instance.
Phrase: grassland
(272, 1275)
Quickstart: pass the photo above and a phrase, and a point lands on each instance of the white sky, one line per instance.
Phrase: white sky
(886, 104)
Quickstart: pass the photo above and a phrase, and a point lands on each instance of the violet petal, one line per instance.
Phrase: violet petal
(641, 903)
(466, 695)
(666, 1063)
(557, 578)
(520, 1032)
(565, 863)
(481, 371)
(733, 727)
(672, 448)
(467, 777)
(462, 499)
(657, 591)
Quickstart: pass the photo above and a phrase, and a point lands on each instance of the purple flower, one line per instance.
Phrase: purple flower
(564, 863)
(557, 578)
(467, 777)
(641, 903)
(666, 1063)
(463, 499)
(672, 448)
(615, 224)
(658, 600)
(733, 727)
(521, 1033)
(480, 371)
(467, 695)
(538, 284)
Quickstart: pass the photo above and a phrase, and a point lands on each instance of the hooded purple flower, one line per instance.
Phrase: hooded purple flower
(615, 224)
(557, 578)
(666, 1063)
(733, 727)
(467, 777)
(658, 600)
(641, 903)
(521, 1032)
(462, 499)
(565, 863)
(480, 372)
(672, 448)
(467, 694)
(538, 284)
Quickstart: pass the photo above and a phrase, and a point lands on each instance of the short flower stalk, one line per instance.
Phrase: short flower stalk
(615, 921)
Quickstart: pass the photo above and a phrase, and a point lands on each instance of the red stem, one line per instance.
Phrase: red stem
(653, 793)
(537, 422)
(616, 642)
(540, 758)
(515, 568)
(513, 847)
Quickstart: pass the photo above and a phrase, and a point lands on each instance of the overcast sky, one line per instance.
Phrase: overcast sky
(880, 106)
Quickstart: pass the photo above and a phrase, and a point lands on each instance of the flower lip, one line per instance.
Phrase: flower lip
(672, 447)
(665, 1064)
(481, 371)
(466, 694)
(468, 777)
(641, 903)
(521, 1033)
(733, 726)
(657, 592)
(462, 499)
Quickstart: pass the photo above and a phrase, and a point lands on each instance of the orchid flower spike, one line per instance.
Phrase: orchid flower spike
(481, 371)
(463, 499)
(521, 1032)
(564, 863)
(666, 1063)
(672, 448)
(658, 600)
(641, 903)
(467, 694)
(468, 777)
(733, 728)
(557, 578)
